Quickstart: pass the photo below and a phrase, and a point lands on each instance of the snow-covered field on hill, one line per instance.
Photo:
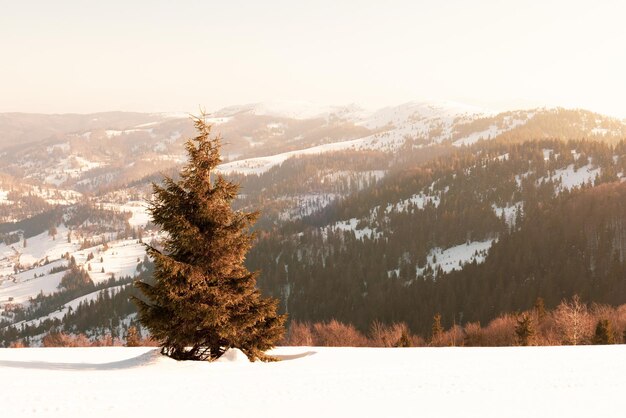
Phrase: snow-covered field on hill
(583, 381)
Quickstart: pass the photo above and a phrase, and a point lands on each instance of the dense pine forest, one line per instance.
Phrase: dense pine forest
(467, 234)
(549, 240)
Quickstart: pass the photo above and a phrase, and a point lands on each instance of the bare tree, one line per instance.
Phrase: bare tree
(573, 321)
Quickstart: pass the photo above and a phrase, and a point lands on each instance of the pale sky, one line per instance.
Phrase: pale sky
(87, 56)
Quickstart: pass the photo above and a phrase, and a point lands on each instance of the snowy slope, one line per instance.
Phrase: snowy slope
(429, 121)
(119, 259)
(583, 381)
(71, 305)
(570, 177)
(454, 258)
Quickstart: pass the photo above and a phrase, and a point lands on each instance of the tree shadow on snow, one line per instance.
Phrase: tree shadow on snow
(287, 357)
(145, 359)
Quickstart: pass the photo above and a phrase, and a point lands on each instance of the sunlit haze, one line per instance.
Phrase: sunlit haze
(79, 56)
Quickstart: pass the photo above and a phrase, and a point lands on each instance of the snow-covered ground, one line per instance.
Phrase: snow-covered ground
(583, 381)
(353, 225)
(571, 177)
(418, 200)
(137, 209)
(67, 307)
(509, 213)
(454, 258)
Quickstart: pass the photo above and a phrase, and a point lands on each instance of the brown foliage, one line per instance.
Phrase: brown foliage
(500, 332)
(337, 334)
(452, 337)
(18, 344)
(394, 335)
(133, 337)
(61, 339)
(473, 335)
(299, 334)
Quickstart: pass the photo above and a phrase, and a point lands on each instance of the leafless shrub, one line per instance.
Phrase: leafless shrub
(452, 337)
(299, 334)
(337, 334)
(573, 321)
(500, 332)
(473, 335)
(61, 339)
(394, 335)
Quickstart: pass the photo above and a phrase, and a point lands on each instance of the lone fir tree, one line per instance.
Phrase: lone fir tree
(204, 300)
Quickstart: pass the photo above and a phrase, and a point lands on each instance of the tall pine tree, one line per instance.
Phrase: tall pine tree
(204, 300)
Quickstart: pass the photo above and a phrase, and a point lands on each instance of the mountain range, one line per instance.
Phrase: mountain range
(393, 214)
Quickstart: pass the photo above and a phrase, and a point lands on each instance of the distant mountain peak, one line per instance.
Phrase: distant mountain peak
(287, 109)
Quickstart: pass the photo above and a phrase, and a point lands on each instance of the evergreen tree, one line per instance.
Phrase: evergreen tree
(133, 338)
(405, 340)
(437, 329)
(204, 300)
(525, 330)
(604, 333)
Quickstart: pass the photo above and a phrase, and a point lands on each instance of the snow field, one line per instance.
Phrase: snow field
(510, 382)
(352, 225)
(418, 200)
(509, 212)
(40, 246)
(137, 209)
(571, 178)
(454, 258)
(120, 259)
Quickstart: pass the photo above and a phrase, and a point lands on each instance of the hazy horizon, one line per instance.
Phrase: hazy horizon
(72, 57)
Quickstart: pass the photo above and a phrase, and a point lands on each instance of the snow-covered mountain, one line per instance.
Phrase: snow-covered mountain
(72, 192)
(90, 152)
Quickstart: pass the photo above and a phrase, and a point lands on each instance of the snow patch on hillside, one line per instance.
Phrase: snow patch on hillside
(120, 259)
(260, 165)
(454, 258)
(570, 177)
(112, 133)
(307, 204)
(137, 209)
(430, 121)
(509, 212)
(444, 112)
(38, 248)
(352, 225)
(418, 200)
(493, 131)
(471, 139)
(70, 167)
(68, 307)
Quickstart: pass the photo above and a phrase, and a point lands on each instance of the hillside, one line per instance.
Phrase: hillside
(393, 214)
(462, 235)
